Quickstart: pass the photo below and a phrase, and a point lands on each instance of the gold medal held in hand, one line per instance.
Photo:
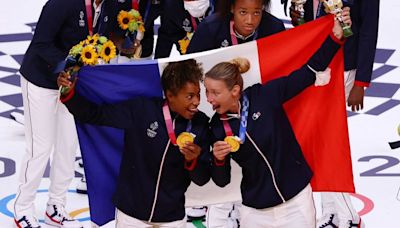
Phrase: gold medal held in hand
(183, 138)
(233, 142)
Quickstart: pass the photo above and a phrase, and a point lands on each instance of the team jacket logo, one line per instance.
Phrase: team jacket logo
(256, 115)
(186, 25)
(224, 43)
(81, 21)
(151, 131)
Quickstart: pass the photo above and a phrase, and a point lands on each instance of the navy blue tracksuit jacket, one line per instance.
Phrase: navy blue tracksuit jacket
(214, 32)
(175, 23)
(274, 136)
(62, 24)
(359, 49)
(145, 140)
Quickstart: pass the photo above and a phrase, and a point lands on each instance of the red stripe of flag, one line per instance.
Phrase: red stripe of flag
(318, 115)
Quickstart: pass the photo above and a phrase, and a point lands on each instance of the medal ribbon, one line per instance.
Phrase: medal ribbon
(243, 118)
(135, 5)
(170, 125)
(89, 16)
(194, 23)
(243, 121)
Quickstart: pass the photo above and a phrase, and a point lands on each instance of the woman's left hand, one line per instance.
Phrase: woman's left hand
(346, 16)
(191, 151)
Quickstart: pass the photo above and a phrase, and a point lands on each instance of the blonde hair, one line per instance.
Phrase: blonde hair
(230, 72)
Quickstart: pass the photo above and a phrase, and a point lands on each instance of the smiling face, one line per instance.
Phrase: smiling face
(221, 97)
(186, 100)
(247, 15)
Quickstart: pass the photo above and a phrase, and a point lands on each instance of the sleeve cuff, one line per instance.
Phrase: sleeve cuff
(361, 84)
(190, 165)
(219, 163)
(338, 41)
(68, 96)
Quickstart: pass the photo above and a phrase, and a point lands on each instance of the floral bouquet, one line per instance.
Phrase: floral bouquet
(184, 43)
(132, 22)
(92, 51)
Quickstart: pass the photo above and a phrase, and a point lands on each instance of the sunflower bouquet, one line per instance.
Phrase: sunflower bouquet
(132, 23)
(94, 50)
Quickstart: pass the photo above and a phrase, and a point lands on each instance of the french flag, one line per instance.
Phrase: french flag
(317, 115)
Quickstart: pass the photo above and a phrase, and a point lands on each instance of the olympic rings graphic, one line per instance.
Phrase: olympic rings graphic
(368, 203)
(4, 210)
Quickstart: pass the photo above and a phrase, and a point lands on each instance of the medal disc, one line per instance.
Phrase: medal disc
(233, 142)
(183, 138)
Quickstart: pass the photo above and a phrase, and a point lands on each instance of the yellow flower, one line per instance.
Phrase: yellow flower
(141, 28)
(89, 55)
(184, 43)
(124, 18)
(92, 39)
(108, 51)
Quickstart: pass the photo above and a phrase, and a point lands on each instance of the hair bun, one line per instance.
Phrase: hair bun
(242, 64)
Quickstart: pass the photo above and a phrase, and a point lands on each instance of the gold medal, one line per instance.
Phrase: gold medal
(233, 142)
(183, 138)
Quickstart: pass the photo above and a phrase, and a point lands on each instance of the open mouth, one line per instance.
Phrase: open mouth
(192, 111)
(215, 107)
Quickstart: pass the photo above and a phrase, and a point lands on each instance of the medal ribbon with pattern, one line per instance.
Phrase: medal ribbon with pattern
(182, 137)
(232, 140)
(233, 35)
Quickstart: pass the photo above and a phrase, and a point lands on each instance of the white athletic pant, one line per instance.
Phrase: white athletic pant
(49, 129)
(223, 215)
(298, 212)
(338, 202)
(126, 221)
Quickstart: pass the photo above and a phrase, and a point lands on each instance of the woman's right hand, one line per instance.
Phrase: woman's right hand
(221, 149)
(64, 79)
(294, 14)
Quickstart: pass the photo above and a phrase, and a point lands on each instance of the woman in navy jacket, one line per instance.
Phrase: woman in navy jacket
(238, 21)
(149, 10)
(49, 128)
(359, 54)
(155, 173)
(275, 186)
(178, 18)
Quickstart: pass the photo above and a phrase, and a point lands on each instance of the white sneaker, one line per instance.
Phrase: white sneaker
(351, 224)
(234, 217)
(328, 221)
(26, 222)
(195, 213)
(80, 162)
(82, 186)
(18, 117)
(57, 216)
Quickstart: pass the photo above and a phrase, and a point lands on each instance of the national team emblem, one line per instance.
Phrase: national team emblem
(256, 115)
(224, 43)
(81, 20)
(151, 131)
(186, 25)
